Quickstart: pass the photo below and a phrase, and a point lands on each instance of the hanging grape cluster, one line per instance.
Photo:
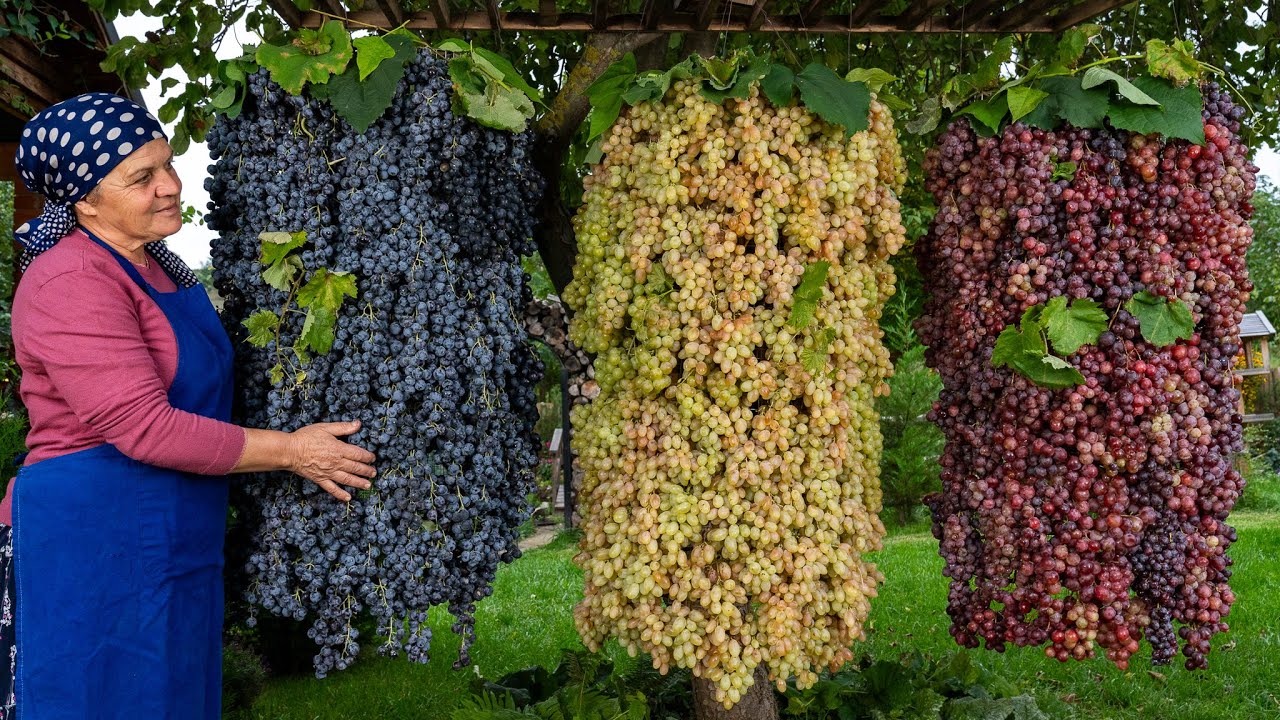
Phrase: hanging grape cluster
(431, 214)
(1085, 519)
(731, 459)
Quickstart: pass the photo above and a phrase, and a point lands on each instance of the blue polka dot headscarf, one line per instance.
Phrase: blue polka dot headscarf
(64, 153)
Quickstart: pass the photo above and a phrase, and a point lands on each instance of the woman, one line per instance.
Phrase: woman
(120, 506)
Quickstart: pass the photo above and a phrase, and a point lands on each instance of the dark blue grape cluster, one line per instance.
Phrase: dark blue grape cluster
(431, 213)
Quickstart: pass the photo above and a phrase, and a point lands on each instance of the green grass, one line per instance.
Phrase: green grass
(529, 620)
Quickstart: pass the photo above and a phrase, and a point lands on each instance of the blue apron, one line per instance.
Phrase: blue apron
(119, 563)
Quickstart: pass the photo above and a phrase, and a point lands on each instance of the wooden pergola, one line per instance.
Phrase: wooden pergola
(786, 16)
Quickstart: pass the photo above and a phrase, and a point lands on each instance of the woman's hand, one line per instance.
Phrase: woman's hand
(318, 455)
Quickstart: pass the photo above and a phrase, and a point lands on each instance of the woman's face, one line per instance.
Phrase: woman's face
(140, 199)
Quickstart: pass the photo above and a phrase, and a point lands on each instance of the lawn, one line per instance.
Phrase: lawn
(529, 620)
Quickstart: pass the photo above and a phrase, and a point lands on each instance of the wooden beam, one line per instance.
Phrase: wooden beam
(287, 12)
(756, 17)
(864, 11)
(1024, 11)
(655, 11)
(440, 10)
(599, 14)
(392, 10)
(29, 71)
(632, 23)
(1084, 11)
(919, 13)
(548, 13)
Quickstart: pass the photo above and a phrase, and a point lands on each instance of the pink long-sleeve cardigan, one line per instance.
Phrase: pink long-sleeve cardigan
(98, 357)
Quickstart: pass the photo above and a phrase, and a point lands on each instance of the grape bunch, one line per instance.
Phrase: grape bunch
(1087, 518)
(431, 214)
(731, 459)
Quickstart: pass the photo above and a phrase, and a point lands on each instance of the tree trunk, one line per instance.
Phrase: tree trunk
(760, 702)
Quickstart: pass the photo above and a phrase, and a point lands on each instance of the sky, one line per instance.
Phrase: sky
(192, 242)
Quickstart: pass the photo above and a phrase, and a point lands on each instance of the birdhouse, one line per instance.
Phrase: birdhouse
(1257, 377)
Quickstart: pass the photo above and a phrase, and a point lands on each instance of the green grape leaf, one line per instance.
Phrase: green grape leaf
(1073, 43)
(1095, 76)
(224, 98)
(987, 73)
(1012, 345)
(1176, 61)
(262, 326)
(327, 289)
(1179, 114)
(834, 99)
(313, 57)
(893, 102)
(1064, 171)
(1023, 99)
(1068, 100)
(873, 78)
(1070, 328)
(747, 76)
(1163, 321)
(720, 72)
(454, 45)
(371, 50)
(509, 73)
(277, 374)
(779, 85)
(927, 120)
(317, 329)
(605, 95)
(804, 301)
(362, 102)
(280, 275)
(989, 112)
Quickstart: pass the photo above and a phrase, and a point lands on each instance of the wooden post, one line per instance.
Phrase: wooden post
(759, 703)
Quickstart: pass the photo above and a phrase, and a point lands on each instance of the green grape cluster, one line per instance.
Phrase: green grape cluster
(732, 457)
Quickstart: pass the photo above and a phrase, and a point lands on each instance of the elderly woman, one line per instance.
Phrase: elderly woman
(120, 506)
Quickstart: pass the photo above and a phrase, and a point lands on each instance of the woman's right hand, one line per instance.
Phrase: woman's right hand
(318, 455)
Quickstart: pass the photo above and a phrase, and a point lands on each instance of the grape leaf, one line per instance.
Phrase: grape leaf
(509, 73)
(1163, 321)
(497, 107)
(605, 95)
(262, 326)
(276, 245)
(327, 289)
(927, 120)
(720, 72)
(1074, 42)
(371, 50)
(454, 45)
(1049, 371)
(1069, 328)
(317, 329)
(313, 57)
(1179, 114)
(1096, 76)
(362, 102)
(1176, 62)
(834, 99)
(988, 112)
(873, 78)
(1069, 100)
(778, 85)
(747, 76)
(1064, 171)
(277, 374)
(1013, 344)
(280, 275)
(815, 359)
(1023, 99)
(804, 301)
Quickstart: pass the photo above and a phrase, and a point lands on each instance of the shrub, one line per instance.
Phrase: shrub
(909, 467)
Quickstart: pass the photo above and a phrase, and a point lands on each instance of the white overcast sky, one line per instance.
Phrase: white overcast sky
(192, 242)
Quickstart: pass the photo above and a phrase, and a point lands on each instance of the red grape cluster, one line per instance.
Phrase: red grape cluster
(1092, 516)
